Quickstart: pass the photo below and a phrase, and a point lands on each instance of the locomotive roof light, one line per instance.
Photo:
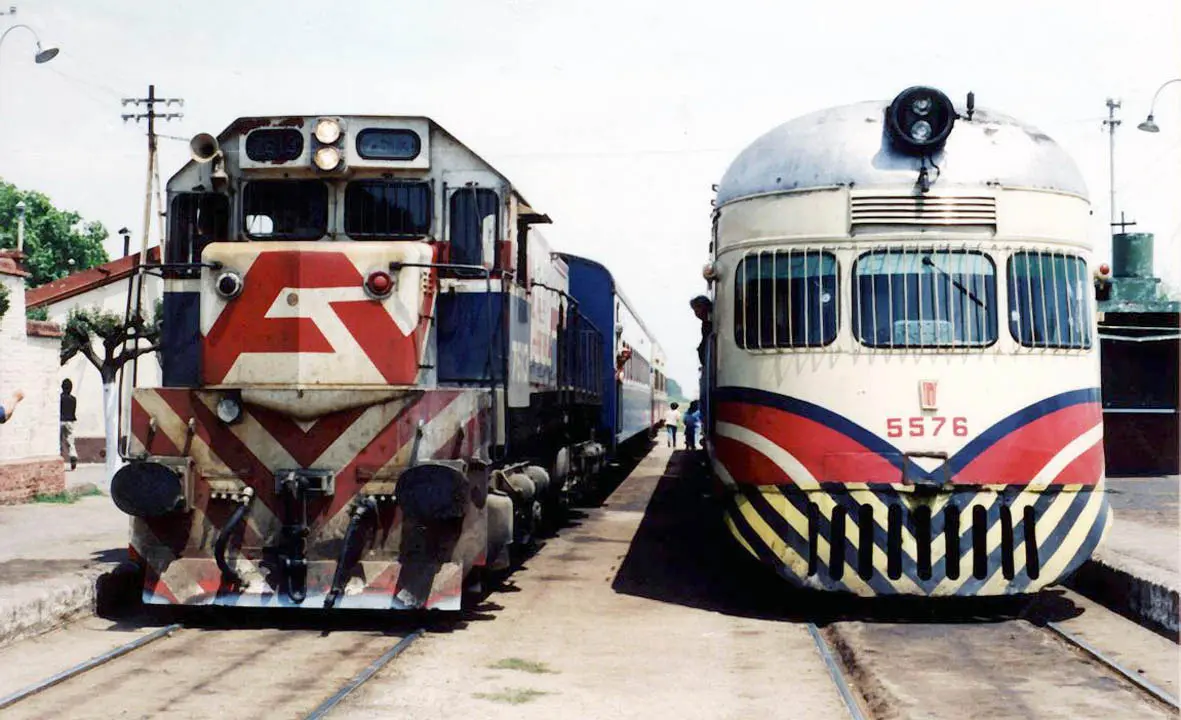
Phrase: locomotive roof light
(327, 131)
(228, 285)
(327, 158)
(919, 120)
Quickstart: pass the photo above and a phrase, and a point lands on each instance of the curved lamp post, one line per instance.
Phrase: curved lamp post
(1149, 124)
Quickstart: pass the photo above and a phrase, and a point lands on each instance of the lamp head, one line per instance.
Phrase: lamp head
(1149, 125)
(44, 56)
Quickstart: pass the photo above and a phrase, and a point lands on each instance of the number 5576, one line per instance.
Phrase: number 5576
(924, 426)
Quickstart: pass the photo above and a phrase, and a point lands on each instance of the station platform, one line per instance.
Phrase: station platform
(1137, 570)
(54, 556)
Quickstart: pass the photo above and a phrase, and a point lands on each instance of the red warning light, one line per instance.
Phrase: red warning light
(379, 284)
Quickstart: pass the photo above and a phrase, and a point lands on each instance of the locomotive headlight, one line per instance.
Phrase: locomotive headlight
(229, 409)
(228, 285)
(919, 120)
(327, 158)
(327, 131)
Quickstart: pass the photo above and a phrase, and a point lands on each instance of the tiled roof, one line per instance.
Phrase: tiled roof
(87, 280)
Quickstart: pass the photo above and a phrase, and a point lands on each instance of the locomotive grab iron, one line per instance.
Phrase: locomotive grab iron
(377, 377)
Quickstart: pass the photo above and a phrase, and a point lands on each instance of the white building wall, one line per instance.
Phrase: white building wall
(28, 364)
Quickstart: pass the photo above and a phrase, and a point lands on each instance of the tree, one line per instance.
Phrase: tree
(120, 342)
(57, 242)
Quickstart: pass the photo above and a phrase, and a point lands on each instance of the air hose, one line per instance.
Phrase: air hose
(228, 575)
(360, 510)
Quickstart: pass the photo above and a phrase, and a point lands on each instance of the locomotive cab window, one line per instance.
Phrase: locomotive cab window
(194, 221)
(917, 297)
(285, 209)
(387, 209)
(1048, 305)
(786, 298)
(475, 226)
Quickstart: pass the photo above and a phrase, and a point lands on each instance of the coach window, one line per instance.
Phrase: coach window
(384, 209)
(915, 297)
(285, 209)
(475, 214)
(786, 298)
(1048, 300)
(194, 221)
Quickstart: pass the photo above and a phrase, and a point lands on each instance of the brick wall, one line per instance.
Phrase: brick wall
(29, 461)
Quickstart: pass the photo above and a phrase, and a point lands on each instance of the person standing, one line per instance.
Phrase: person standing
(671, 419)
(69, 415)
(692, 422)
(8, 408)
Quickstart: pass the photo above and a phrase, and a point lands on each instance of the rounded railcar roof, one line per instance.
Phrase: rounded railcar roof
(848, 146)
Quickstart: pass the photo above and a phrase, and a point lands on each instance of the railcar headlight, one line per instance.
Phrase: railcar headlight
(327, 131)
(919, 120)
(327, 158)
(228, 285)
(229, 409)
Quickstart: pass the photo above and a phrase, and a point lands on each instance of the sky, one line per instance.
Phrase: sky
(614, 117)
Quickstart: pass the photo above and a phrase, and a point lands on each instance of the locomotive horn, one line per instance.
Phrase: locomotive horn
(203, 147)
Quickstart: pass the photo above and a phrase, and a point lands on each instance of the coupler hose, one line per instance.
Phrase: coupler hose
(360, 510)
(228, 575)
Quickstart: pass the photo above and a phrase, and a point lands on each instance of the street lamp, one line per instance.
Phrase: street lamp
(43, 55)
(1149, 125)
(20, 226)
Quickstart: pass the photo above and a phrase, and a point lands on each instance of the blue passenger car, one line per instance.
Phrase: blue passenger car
(633, 396)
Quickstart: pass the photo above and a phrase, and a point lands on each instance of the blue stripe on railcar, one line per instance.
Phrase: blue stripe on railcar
(180, 339)
(636, 415)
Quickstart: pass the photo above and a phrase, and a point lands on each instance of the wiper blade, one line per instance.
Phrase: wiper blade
(958, 285)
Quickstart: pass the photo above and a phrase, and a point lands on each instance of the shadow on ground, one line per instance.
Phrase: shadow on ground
(683, 554)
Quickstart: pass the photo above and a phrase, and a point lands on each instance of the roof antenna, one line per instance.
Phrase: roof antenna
(971, 103)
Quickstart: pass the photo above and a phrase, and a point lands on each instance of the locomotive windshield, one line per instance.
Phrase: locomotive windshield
(1048, 300)
(786, 298)
(917, 297)
(387, 209)
(285, 209)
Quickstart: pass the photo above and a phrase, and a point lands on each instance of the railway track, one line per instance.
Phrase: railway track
(1030, 667)
(167, 670)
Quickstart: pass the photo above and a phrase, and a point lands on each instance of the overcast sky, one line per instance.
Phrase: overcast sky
(615, 117)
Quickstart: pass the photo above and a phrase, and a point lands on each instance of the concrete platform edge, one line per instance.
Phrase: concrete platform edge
(1150, 602)
(102, 591)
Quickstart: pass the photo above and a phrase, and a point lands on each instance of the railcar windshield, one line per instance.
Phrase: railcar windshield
(1048, 300)
(387, 209)
(285, 209)
(786, 298)
(924, 297)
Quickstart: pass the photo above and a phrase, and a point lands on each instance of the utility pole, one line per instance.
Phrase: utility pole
(1111, 123)
(150, 103)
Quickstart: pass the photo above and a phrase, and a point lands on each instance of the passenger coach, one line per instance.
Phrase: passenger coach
(903, 384)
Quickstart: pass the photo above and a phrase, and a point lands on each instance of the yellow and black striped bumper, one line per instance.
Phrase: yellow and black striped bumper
(885, 540)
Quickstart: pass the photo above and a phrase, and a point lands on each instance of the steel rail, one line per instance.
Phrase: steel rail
(1132, 677)
(834, 671)
(363, 676)
(90, 664)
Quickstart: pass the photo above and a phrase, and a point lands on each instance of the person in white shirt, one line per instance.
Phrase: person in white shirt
(671, 419)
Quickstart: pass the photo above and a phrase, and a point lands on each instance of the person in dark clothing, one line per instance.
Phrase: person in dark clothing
(69, 415)
(703, 309)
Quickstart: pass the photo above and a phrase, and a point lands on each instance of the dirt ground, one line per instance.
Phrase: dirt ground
(621, 616)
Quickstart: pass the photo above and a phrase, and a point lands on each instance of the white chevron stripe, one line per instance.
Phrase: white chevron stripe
(1067, 455)
(785, 460)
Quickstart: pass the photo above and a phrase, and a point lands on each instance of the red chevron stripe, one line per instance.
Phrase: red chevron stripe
(1017, 457)
(829, 455)
(747, 465)
(303, 446)
(1086, 469)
